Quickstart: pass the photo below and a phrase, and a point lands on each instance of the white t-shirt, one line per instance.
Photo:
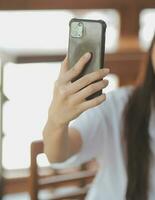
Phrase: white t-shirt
(100, 130)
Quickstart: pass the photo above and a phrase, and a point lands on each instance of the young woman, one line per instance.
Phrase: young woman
(119, 131)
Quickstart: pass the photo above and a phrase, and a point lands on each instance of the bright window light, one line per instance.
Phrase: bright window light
(29, 89)
(47, 31)
(147, 27)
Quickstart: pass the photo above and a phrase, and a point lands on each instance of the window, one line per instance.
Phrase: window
(37, 30)
(28, 88)
(147, 27)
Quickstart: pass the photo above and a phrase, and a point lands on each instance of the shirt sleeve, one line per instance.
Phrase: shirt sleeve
(93, 126)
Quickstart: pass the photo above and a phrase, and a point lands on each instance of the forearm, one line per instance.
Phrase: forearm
(56, 142)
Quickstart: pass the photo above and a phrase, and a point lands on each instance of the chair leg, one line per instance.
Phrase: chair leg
(33, 191)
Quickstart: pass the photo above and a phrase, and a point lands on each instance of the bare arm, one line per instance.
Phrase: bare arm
(64, 142)
(60, 141)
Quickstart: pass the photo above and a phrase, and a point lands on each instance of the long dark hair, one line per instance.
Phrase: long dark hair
(136, 132)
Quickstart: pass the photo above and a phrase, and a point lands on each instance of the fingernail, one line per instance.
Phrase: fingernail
(87, 55)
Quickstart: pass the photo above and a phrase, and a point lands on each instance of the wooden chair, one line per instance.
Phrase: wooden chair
(77, 178)
(126, 66)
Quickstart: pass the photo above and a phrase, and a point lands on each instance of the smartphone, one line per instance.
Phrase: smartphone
(87, 36)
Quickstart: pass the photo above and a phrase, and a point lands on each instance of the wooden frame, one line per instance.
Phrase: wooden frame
(132, 60)
(69, 4)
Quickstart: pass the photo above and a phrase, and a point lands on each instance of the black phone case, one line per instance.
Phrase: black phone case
(93, 41)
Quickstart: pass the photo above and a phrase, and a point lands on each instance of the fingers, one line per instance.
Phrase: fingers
(92, 103)
(87, 80)
(76, 70)
(64, 65)
(89, 90)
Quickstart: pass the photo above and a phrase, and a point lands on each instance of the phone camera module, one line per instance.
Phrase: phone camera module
(80, 24)
(77, 29)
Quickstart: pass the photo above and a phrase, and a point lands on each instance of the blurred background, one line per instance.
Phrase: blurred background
(33, 42)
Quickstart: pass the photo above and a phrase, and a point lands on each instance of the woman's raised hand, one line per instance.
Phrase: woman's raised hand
(69, 98)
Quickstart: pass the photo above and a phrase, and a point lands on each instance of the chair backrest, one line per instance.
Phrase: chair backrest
(76, 177)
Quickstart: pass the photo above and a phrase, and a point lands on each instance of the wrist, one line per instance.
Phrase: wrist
(57, 124)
